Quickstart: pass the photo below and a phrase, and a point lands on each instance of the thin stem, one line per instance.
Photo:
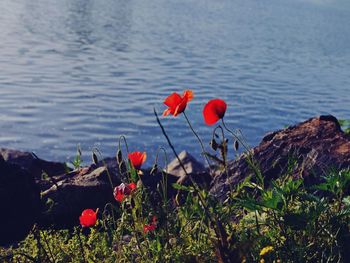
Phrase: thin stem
(164, 184)
(134, 217)
(104, 214)
(224, 153)
(234, 135)
(169, 142)
(48, 246)
(165, 155)
(198, 138)
(81, 247)
(219, 230)
(96, 150)
(40, 246)
(249, 155)
(122, 137)
(257, 222)
(164, 172)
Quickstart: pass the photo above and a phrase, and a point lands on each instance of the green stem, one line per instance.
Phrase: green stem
(48, 246)
(40, 246)
(105, 165)
(134, 217)
(126, 144)
(249, 155)
(81, 247)
(104, 214)
(257, 222)
(164, 184)
(219, 230)
(234, 135)
(224, 153)
(198, 138)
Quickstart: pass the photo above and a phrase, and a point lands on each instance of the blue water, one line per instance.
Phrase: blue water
(86, 71)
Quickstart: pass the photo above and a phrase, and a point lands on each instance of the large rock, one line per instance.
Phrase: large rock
(189, 162)
(71, 193)
(32, 164)
(19, 202)
(193, 167)
(316, 146)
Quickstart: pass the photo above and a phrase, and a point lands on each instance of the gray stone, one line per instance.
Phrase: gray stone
(72, 193)
(191, 165)
(32, 164)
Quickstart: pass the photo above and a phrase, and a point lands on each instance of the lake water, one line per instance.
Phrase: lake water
(86, 71)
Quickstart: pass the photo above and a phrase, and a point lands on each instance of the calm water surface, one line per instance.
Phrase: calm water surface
(86, 71)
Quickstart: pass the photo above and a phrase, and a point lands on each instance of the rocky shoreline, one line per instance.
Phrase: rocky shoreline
(56, 199)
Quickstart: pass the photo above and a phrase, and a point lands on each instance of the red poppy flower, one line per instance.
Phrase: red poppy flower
(88, 218)
(154, 220)
(214, 110)
(177, 103)
(152, 226)
(137, 159)
(123, 190)
(148, 228)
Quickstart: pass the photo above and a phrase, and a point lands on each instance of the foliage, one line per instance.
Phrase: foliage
(278, 221)
(293, 223)
(345, 125)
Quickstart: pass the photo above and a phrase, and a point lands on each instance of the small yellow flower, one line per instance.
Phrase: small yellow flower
(266, 250)
(262, 260)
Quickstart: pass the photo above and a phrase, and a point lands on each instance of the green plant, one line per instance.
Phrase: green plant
(278, 221)
(345, 125)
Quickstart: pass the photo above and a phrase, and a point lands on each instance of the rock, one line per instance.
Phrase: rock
(71, 193)
(193, 167)
(190, 163)
(111, 164)
(316, 146)
(176, 174)
(33, 164)
(19, 202)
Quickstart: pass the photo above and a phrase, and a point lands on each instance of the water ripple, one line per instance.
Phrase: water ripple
(84, 72)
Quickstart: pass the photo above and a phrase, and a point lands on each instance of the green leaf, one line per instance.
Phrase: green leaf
(133, 175)
(249, 204)
(345, 125)
(273, 199)
(182, 187)
(346, 201)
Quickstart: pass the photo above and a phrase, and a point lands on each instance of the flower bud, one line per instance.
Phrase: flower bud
(154, 169)
(214, 145)
(119, 156)
(236, 145)
(94, 158)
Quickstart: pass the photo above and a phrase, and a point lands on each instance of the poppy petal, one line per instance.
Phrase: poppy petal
(88, 218)
(176, 103)
(180, 107)
(119, 197)
(173, 100)
(188, 94)
(137, 159)
(167, 112)
(214, 110)
(210, 117)
(132, 186)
